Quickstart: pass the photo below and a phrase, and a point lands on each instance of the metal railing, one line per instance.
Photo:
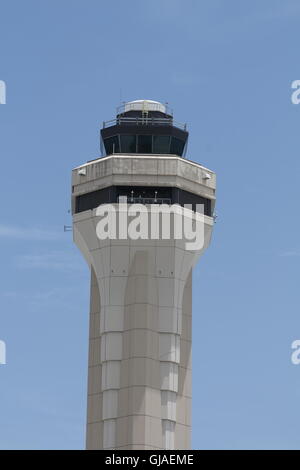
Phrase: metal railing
(144, 121)
(144, 200)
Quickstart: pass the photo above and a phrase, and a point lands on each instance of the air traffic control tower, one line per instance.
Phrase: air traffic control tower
(140, 369)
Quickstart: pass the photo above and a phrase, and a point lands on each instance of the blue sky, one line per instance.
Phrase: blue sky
(226, 67)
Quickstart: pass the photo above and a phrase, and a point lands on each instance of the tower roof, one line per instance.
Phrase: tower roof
(145, 105)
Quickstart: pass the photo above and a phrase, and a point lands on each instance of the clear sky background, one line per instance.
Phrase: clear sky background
(226, 68)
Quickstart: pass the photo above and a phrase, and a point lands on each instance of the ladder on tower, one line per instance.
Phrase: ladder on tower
(145, 112)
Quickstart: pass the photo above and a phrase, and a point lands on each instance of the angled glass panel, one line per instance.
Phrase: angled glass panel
(144, 143)
(112, 145)
(128, 143)
(177, 146)
(161, 144)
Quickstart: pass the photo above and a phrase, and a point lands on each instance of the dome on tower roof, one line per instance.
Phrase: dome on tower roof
(145, 105)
